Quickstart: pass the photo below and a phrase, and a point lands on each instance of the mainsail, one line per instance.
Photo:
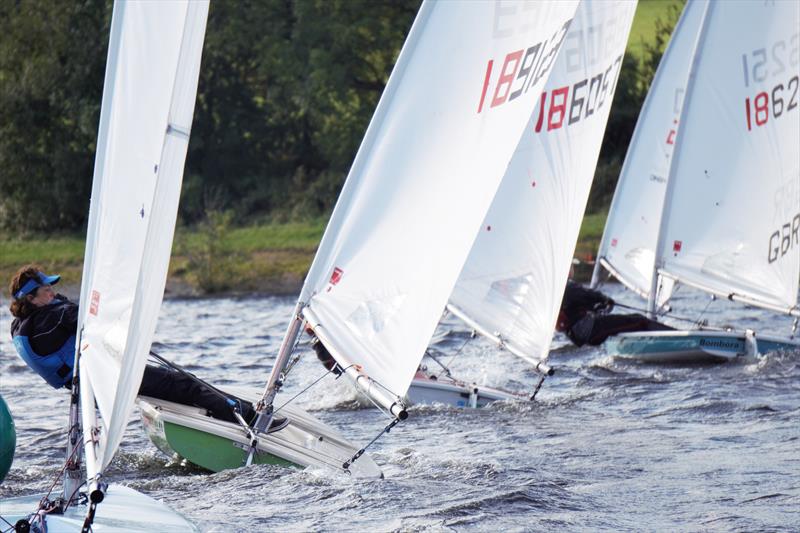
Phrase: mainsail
(731, 221)
(631, 233)
(512, 284)
(148, 103)
(453, 111)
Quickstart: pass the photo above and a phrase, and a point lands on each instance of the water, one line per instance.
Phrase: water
(609, 445)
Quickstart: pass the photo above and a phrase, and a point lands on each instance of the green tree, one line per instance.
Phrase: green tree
(634, 82)
(51, 77)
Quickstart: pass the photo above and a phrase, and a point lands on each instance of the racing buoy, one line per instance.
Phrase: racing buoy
(8, 439)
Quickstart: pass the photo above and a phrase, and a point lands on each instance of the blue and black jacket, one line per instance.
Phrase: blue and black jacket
(45, 340)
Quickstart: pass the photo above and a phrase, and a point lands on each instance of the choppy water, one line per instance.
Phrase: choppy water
(609, 445)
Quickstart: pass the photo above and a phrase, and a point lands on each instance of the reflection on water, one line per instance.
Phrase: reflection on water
(610, 444)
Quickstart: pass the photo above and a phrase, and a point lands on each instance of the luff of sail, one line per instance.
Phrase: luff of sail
(513, 282)
(731, 222)
(447, 124)
(148, 103)
(628, 247)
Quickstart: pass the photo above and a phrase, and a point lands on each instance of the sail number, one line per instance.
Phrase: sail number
(588, 95)
(520, 70)
(762, 63)
(784, 239)
(780, 100)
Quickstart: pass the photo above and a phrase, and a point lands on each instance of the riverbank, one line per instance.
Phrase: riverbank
(215, 258)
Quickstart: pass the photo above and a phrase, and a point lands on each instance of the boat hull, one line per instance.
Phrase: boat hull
(695, 346)
(426, 391)
(122, 510)
(217, 445)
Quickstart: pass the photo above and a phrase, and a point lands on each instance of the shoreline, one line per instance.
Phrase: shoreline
(264, 259)
(180, 289)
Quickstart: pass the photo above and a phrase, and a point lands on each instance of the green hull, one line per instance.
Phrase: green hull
(8, 439)
(201, 448)
(212, 452)
(191, 434)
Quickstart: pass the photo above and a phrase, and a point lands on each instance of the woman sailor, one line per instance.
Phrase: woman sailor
(44, 328)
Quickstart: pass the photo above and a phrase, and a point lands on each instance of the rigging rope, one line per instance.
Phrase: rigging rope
(45, 505)
(346, 465)
(538, 387)
(703, 312)
(293, 398)
(444, 367)
(472, 335)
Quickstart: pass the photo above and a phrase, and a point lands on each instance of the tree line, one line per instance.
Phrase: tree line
(287, 89)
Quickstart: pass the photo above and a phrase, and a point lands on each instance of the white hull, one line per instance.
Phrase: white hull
(695, 346)
(426, 391)
(123, 510)
(217, 445)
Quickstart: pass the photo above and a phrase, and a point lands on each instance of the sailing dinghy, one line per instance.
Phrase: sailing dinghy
(446, 126)
(145, 120)
(510, 289)
(730, 222)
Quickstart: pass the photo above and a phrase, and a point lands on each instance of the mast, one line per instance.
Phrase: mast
(76, 421)
(666, 211)
(73, 476)
(264, 407)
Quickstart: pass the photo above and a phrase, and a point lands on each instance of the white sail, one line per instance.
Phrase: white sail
(631, 233)
(148, 103)
(463, 88)
(513, 281)
(731, 222)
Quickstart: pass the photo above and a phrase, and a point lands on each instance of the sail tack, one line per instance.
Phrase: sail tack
(451, 116)
(631, 233)
(514, 279)
(146, 116)
(731, 222)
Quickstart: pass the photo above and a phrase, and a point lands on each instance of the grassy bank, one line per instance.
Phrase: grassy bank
(216, 258)
(644, 22)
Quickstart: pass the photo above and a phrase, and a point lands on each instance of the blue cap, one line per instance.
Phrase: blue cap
(34, 283)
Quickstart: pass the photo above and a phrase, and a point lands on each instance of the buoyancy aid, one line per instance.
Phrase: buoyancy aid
(55, 368)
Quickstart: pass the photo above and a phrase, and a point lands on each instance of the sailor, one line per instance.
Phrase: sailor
(584, 316)
(323, 354)
(44, 329)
